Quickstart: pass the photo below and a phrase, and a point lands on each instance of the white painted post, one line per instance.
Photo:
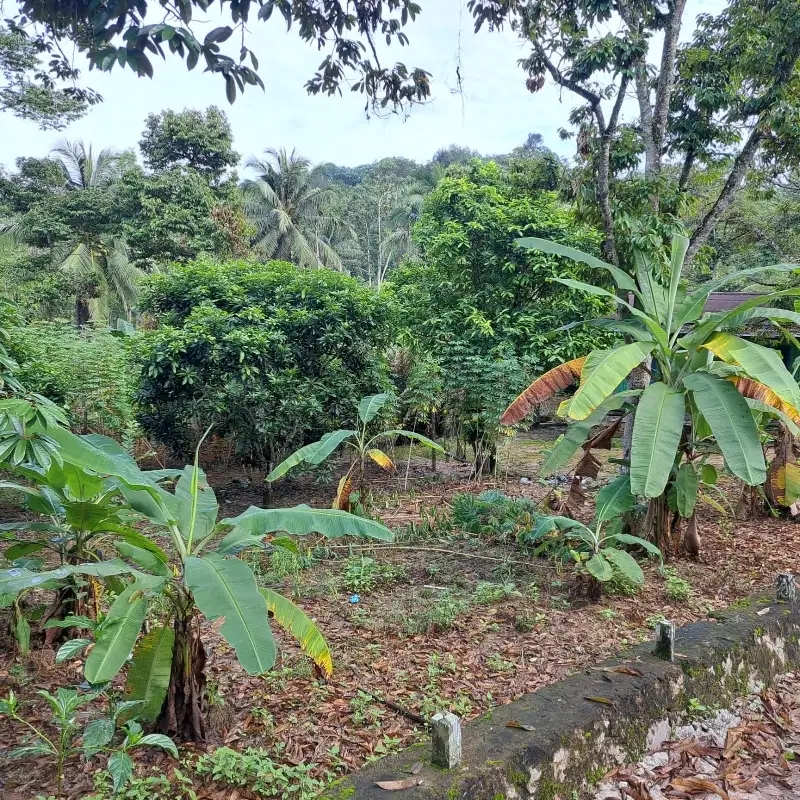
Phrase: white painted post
(665, 640)
(446, 733)
(785, 587)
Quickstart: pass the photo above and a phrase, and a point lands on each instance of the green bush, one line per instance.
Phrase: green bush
(271, 354)
(255, 769)
(86, 371)
(678, 589)
(491, 512)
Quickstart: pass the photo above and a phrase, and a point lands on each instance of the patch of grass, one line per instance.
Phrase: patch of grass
(487, 593)
(363, 574)
(678, 589)
(438, 617)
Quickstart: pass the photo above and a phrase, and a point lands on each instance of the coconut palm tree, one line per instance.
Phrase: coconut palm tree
(82, 170)
(290, 211)
(96, 262)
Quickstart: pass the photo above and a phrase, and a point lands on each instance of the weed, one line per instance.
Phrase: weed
(256, 770)
(653, 620)
(438, 617)
(559, 603)
(496, 663)
(678, 589)
(492, 513)
(487, 593)
(696, 710)
(365, 710)
(363, 574)
(607, 614)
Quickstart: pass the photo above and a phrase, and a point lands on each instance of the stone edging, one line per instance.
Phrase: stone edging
(575, 741)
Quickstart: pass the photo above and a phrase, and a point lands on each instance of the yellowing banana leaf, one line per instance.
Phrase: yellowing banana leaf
(542, 388)
(380, 458)
(294, 620)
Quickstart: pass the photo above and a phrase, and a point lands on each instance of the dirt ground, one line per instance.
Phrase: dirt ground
(429, 635)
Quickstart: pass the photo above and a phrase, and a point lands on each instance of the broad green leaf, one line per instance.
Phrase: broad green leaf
(680, 244)
(657, 332)
(621, 278)
(148, 675)
(159, 740)
(22, 549)
(417, 437)
(708, 474)
(70, 649)
(118, 637)
(314, 453)
(71, 622)
(226, 588)
(120, 766)
(614, 498)
(687, 483)
(654, 295)
(600, 567)
(625, 563)
(708, 327)
(763, 408)
(295, 621)
(369, 407)
(772, 314)
(730, 420)
(692, 306)
(603, 372)
(760, 363)
(627, 538)
(302, 519)
(16, 579)
(578, 432)
(657, 429)
(198, 507)
(97, 734)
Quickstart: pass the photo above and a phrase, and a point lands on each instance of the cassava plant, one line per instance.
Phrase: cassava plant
(597, 548)
(195, 570)
(362, 444)
(699, 370)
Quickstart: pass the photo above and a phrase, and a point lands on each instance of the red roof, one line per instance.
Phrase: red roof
(725, 301)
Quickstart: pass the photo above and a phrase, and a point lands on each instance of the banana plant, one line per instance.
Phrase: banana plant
(698, 368)
(597, 548)
(195, 575)
(363, 446)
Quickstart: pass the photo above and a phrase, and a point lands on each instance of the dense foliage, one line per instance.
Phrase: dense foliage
(269, 353)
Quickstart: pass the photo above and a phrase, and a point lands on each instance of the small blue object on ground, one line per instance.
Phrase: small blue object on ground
(354, 598)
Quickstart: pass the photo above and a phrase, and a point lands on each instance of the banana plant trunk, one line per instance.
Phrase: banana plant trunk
(185, 712)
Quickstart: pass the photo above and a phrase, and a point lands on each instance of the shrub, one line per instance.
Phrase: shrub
(255, 769)
(270, 353)
(492, 512)
(87, 372)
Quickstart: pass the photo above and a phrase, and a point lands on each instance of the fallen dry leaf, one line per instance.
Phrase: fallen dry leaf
(604, 700)
(398, 786)
(515, 724)
(697, 785)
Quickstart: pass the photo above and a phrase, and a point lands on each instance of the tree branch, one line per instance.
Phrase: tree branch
(686, 170)
(732, 185)
(666, 78)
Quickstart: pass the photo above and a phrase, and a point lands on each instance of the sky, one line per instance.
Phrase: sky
(492, 114)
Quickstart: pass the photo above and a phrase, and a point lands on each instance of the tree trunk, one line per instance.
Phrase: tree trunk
(81, 312)
(185, 711)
